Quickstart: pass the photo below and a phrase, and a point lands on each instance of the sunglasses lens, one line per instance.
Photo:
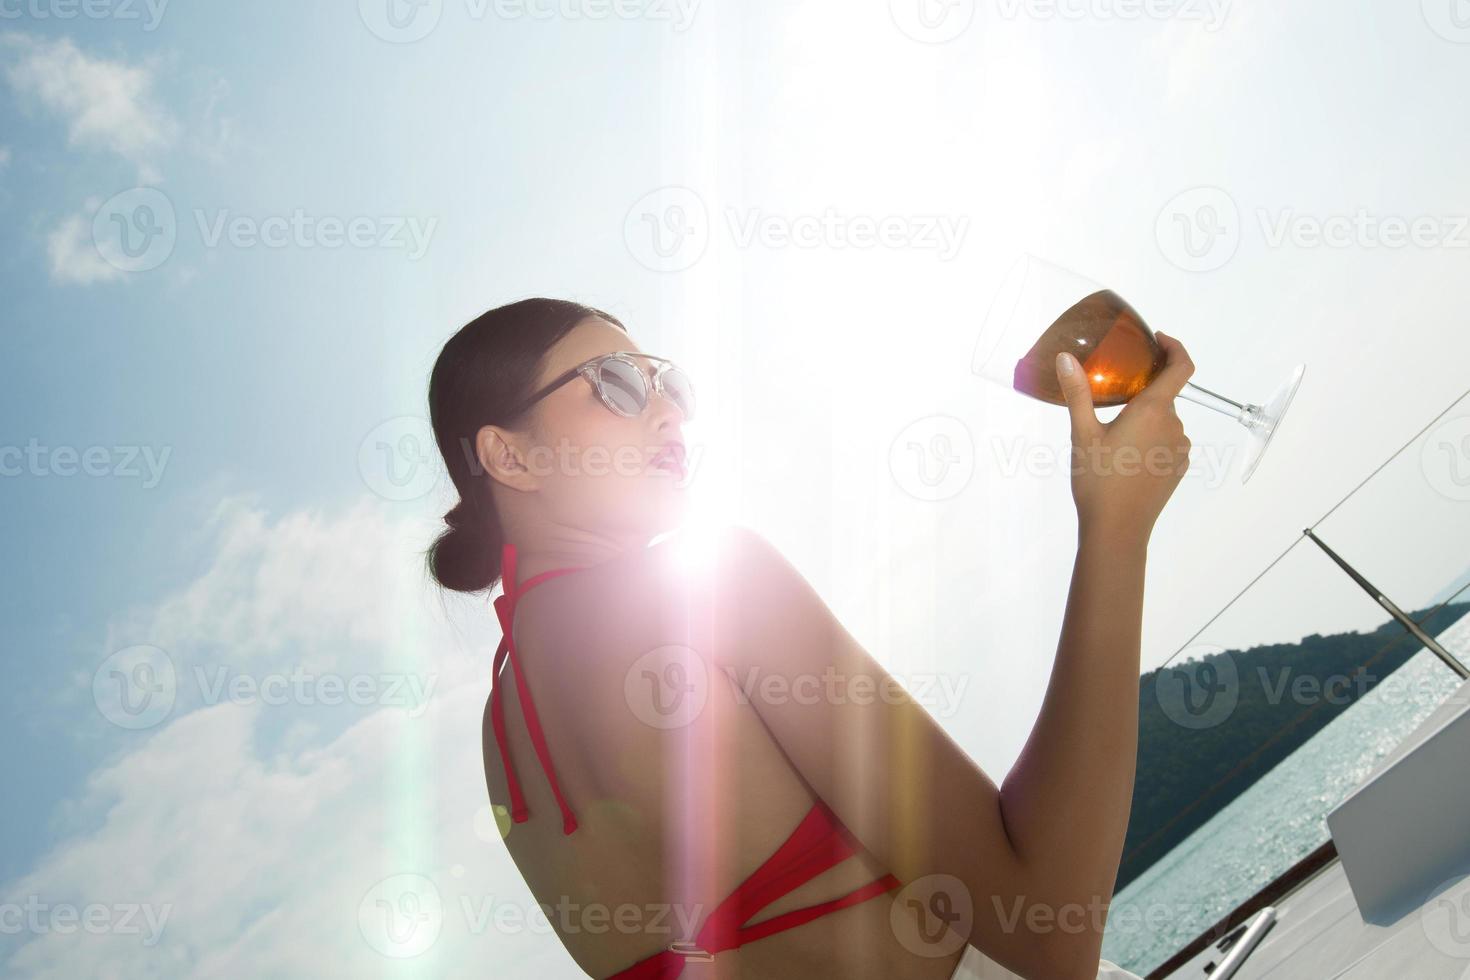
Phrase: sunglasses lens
(679, 390)
(624, 387)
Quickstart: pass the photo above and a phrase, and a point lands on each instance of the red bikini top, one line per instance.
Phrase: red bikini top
(819, 842)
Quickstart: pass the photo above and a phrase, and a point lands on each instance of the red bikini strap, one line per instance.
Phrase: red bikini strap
(505, 611)
(796, 917)
(518, 811)
(818, 843)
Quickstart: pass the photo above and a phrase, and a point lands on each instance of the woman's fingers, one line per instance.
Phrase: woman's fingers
(1177, 370)
(1078, 394)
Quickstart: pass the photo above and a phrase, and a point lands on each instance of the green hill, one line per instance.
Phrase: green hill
(1188, 774)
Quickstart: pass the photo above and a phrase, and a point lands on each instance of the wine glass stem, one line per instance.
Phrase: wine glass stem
(1246, 415)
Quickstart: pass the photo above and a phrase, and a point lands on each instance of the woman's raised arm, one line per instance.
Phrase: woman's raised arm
(1038, 857)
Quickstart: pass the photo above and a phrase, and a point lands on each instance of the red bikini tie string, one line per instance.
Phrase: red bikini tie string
(505, 611)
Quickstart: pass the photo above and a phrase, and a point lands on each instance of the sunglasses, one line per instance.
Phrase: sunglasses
(622, 386)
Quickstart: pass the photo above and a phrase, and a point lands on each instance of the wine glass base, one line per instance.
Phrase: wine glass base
(1264, 420)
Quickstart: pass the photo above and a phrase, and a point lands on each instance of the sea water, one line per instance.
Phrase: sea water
(1276, 822)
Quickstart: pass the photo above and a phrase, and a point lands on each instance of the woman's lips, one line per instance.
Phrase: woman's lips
(670, 458)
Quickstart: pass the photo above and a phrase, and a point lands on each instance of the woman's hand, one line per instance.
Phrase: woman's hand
(1124, 471)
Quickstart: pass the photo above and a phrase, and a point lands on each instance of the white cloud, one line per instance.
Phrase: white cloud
(4, 157)
(257, 860)
(306, 584)
(74, 256)
(106, 105)
(213, 135)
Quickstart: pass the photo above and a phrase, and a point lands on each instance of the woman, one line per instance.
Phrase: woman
(673, 801)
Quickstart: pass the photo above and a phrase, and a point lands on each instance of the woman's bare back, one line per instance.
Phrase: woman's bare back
(677, 802)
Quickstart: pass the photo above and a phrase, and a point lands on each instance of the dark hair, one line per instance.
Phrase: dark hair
(483, 372)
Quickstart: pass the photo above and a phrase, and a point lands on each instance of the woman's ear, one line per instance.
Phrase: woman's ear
(502, 455)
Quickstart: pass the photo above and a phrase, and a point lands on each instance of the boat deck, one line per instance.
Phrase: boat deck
(1320, 934)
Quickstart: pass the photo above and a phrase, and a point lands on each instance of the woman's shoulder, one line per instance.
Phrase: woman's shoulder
(707, 583)
(715, 553)
(725, 568)
(732, 586)
(688, 557)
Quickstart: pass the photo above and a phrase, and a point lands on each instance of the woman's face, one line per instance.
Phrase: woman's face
(592, 467)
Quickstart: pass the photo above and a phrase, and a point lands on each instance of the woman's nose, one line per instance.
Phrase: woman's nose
(663, 408)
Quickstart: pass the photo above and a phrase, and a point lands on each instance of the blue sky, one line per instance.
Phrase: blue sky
(536, 149)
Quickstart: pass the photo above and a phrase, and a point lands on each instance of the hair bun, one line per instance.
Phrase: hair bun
(466, 557)
(462, 516)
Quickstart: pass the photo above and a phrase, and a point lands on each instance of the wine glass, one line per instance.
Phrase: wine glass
(1042, 309)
